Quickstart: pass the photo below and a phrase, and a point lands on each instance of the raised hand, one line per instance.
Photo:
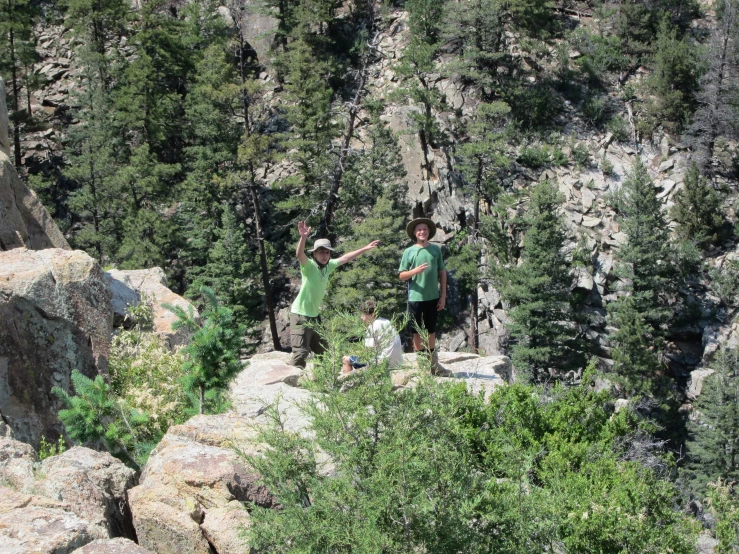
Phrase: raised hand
(373, 244)
(303, 229)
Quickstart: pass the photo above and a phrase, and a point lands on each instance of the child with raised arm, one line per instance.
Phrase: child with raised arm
(304, 311)
(423, 267)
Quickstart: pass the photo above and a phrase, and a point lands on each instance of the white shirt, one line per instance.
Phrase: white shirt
(383, 337)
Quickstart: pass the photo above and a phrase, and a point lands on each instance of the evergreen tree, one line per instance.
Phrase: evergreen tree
(373, 180)
(482, 159)
(16, 51)
(674, 79)
(538, 291)
(645, 268)
(95, 415)
(214, 348)
(713, 443)
(697, 210)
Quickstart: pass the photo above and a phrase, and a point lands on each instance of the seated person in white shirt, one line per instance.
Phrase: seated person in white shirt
(381, 336)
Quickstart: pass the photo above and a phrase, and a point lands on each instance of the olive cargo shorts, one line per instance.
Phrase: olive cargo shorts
(304, 339)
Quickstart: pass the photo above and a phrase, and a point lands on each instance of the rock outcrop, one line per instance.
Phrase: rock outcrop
(55, 317)
(192, 489)
(129, 287)
(95, 486)
(67, 502)
(24, 222)
(112, 546)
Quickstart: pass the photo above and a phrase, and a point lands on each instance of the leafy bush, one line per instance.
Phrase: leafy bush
(725, 281)
(594, 109)
(724, 503)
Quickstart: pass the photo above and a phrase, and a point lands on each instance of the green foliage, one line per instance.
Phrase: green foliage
(618, 127)
(94, 415)
(48, 449)
(725, 508)
(725, 281)
(534, 156)
(212, 355)
(674, 80)
(646, 268)
(713, 442)
(581, 155)
(697, 210)
(538, 291)
(605, 165)
(435, 469)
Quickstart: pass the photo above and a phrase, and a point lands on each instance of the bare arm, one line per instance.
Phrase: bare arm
(304, 231)
(405, 275)
(442, 292)
(349, 256)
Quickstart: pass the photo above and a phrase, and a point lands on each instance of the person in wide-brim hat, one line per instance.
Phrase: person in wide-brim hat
(411, 228)
(322, 243)
(422, 267)
(305, 309)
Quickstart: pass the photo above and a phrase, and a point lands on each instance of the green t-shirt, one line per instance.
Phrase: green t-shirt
(425, 285)
(312, 287)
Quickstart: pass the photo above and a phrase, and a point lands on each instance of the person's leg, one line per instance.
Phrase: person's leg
(416, 320)
(317, 343)
(298, 341)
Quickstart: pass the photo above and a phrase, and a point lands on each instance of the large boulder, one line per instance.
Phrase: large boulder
(55, 317)
(193, 487)
(95, 486)
(16, 464)
(31, 529)
(131, 285)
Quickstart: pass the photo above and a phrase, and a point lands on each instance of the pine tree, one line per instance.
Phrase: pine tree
(482, 159)
(95, 415)
(674, 80)
(717, 114)
(697, 210)
(373, 179)
(713, 443)
(646, 270)
(214, 348)
(538, 291)
(16, 51)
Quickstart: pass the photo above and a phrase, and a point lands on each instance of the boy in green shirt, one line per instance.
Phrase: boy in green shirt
(423, 267)
(305, 309)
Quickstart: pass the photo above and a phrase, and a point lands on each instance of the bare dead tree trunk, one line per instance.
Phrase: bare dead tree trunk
(254, 196)
(353, 110)
(475, 230)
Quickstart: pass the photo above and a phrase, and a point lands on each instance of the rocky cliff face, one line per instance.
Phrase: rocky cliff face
(55, 316)
(24, 222)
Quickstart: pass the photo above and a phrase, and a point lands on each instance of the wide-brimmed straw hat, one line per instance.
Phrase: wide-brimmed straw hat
(411, 227)
(322, 243)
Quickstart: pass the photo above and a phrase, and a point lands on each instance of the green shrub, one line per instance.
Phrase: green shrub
(594, 109)
(605, 165)
(433, 465)
(581, 155)
(49, 449)
(619, 128)
(534, 156)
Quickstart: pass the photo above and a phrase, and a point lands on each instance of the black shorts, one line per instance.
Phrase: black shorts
(424, 314)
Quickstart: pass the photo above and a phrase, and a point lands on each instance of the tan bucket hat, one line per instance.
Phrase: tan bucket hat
(322, 243)
(411, 227)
